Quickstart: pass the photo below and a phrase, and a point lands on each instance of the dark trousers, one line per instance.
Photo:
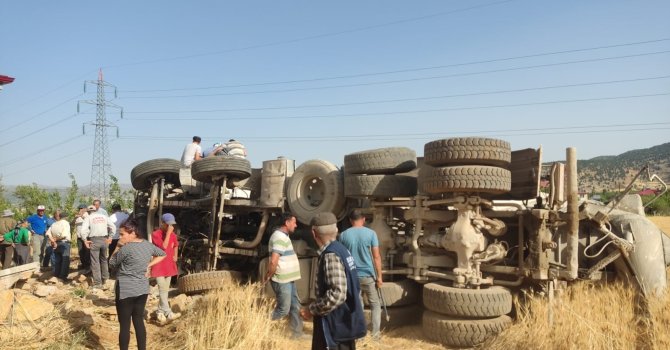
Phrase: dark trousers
(6, 255)
(84, 254)
(21, 254)
(131, 309)
(61, 259)
(319, 339)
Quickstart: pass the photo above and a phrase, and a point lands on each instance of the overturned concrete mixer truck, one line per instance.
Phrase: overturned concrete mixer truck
(461, 229)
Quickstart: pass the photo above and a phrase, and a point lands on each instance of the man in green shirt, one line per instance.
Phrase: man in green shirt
(15, 244)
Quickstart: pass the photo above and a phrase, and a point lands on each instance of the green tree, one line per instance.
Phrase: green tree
(4, 203)
(116, 195)
(31, 196)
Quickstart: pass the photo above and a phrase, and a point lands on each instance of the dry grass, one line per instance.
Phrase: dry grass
(230, 318)
(663, 222)
(49, 332)
(589, 316)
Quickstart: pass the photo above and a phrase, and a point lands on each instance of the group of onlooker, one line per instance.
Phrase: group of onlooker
(349, 266)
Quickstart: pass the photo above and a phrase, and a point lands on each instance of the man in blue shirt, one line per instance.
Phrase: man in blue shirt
(38, 227)
(363, 244)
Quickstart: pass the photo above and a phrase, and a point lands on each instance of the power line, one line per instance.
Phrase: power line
(51, 161)
(446, 96)
(312, 37)
(372, 114)
(256, 138)
(30, 154)
(38, 130)
(48, 93)
(406, 70)
(404, 80)
(40, 114)
(402, 137)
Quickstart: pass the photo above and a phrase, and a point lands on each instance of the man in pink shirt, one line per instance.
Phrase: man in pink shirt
(165, 239)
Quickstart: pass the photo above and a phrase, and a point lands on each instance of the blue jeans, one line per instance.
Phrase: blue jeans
(288, 304)
(369, 288)
(61, 259)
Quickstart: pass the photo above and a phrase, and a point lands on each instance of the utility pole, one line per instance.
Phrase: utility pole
(101, 165)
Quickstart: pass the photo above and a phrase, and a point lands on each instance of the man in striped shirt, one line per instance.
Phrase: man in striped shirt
(283, 271)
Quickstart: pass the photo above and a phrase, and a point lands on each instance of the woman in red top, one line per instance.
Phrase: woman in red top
(165, 239)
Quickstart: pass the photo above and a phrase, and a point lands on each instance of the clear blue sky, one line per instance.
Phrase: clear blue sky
(314, 79)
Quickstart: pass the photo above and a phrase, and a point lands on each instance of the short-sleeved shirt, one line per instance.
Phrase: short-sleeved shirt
(288, 267)
(117, 219)
(38, 224)
(132, 260)
(60, 230)
(359, 241)
(190, 151)
(167, 267)
(23, 236)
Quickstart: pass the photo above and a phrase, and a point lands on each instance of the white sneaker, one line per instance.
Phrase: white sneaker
(173, 316)
(161, 318)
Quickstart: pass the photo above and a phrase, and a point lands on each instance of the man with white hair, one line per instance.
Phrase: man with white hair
(337, 310)
(96, 232)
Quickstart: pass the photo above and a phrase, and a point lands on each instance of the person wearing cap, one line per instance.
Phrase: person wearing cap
(96, 232)
(165, 239)
(283, 271)
(212, 151)
(59, 235)
(7, 221)
(84, 252)
(363, 244)
(192, 152)
(38, 227)
(337, 310)
(15, 245)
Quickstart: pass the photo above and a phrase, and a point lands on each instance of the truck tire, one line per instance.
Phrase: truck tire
(204, 170)
(399, 316)
(401, 293)
(468, 151)
(467, 178)
(390, 160)
(204, 281)
(316, 186)
(142, 173)
(450, 331)
(379, 186)
(482, 303)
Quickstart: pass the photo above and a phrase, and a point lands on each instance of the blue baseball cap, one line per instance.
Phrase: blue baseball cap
(168, 219)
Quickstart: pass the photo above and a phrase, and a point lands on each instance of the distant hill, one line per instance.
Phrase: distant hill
(613, 173)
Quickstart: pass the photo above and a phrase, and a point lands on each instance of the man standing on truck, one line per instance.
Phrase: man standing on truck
(192, 152)
(337, 309)
(363, 244)
(283, 271)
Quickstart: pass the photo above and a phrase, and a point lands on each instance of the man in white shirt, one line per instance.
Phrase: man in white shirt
(192, 152)
(59, 236)
(117, 218)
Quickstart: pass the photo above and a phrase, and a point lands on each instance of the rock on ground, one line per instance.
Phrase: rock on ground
(44, 291)
(31, 308)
